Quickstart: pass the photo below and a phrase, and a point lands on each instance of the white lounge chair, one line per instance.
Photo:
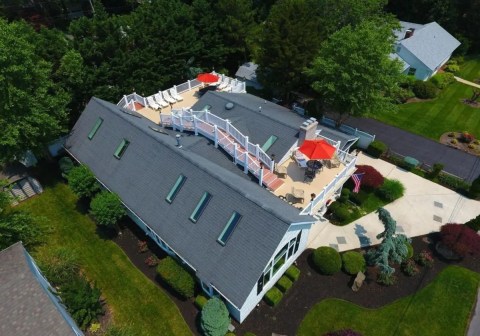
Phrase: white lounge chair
(158, 97)
(152, 103)
(300, 159)
(175, 95)
(167, 97)
(224, 83)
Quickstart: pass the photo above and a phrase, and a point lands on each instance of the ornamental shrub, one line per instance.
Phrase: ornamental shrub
(293, 273)
(343, 332)
(466, 137)
(359, 198)
(273, 296)
(424, 90)
(424, 258)
(327, 260)
(376, 148)
(200, 301)
(344, 196)
(474, 223)
(371, 177)
(391, 190)
(214, 320)
(107, 208)
(353, 262)
(436, 170)
(340, 211)
(176, 277)
(460, 239)
(386, 279)
(82, 181)
(442, 80)
(409, 250)
(284, 284)
(409, 267)
(452, 68)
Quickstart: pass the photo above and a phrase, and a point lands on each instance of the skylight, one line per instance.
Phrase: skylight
(95, 128)
(175, 189)
(121, 148)
(269, 143)
(202, 204)
(229, 228)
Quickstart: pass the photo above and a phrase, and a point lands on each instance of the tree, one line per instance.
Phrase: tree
(214, 319)
(460, 239)
(107, 208)
(33, 108)
(82, 181)
(353, 72)
(372, 178)
(20, 226)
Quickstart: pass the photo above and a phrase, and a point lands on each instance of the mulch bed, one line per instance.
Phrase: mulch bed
(447, 140)
(310, 288)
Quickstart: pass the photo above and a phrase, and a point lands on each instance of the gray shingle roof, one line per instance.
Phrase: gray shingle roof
(25, 307)
(430, 43)
(145, 174)
(258, 126)
(247, 71)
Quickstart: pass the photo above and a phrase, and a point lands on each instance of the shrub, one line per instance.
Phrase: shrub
(94, 328)
(409, 267)
(200, 301)
(151, 261)
(371, 177)
(376, 148)
(344, 196)
(82, 181)
(452, 68)
(214, 319)
(107, 208)
(142, 246)
(474, 223)
(442, 80)
(424, 90)
(436, 170)
(66, 165)
(60, 266)
(460, 239)
(359, 198)
(176, 277)
(386, 279)
(474, 190)
(293, 273)
(409, 250)
(402, 95)
(410, 163)
(353, 262)
(284, 284)
(327, 260)
(424, 258)
(454, 141)
(453, 182)
(343, 332)
(391, 190)
(466, 137)
(340, 211)
(273, 296)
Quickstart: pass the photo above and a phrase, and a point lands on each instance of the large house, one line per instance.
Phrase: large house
(28, 305)
(423, 49)
(204, 183)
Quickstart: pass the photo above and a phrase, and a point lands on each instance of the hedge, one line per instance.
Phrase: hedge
(273, 296)
(353, 262)
(391, 190)
(424, 90)
(284, 284)
(293, 273)
(376, 148)
(340, 211)
(327, 260)
(200, 301)
(176, 277)
(442, 80)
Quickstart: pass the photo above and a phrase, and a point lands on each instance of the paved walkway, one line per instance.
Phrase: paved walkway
(464, 81)
(424, 208)
(474, 327)
(456, 162)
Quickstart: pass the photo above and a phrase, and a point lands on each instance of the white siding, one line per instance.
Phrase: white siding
(423, 72)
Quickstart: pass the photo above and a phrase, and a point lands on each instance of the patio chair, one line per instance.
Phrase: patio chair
(152, 103)
(175, 95)
(281, 170)
(224, 83)
(298, 194)
(158, 97)
(309, 175)
(167, 97)
(334, 162)
(300, 159)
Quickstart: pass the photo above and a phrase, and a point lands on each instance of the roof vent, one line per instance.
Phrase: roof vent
(229, 106)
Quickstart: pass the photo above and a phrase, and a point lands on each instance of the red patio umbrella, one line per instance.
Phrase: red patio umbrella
(207, 78)
(317, 149)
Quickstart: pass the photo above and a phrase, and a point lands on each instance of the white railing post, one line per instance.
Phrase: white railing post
(227, 128)
(189, 85)
(145, 102)
(195, 125)
(215, 131)
(272, 165)
(257, 150)
(235, 152)
(260, 177)
(206, 117)
(245, 168)
(181, 122)
(246, 142)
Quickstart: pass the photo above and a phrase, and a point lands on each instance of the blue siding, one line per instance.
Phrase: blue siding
(423, 72)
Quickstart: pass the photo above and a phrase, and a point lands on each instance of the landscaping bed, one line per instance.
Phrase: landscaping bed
(456, 140)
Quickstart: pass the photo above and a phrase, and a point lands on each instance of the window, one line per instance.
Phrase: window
(291, 248)
(280, 259)
(412, 71)
(202, 204)
(297, 243)
(269, 143)
(121, 149)
(175, 189)
(95, 128)
(228, 230)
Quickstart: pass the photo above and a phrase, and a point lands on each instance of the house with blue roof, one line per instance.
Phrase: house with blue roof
(423, 49)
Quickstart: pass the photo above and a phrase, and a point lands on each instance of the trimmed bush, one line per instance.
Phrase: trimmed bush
(452, 68)
(391, 190)
(409, 250)
(293, 273)
(409, 267)
(340, 211)
(460, 239)
(442, 80)
(214, 320)
(474, 223)
(284, 284)
(371, 177)
(200, 301)
(176, 277)
(424, 258)
(353, 262)
(82, 181)
(359, 198)
(327, 260)
(273, 296)
(377, 148)
(436, 170)
(344, 196)
(107, 208)
(453, 182)
(424, 90)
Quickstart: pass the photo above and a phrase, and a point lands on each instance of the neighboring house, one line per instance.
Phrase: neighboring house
(19, 184)
(28, 305)
(423, 49)
(248, 73)
(200, 198)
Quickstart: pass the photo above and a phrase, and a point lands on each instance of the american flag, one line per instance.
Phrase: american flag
(357, 178)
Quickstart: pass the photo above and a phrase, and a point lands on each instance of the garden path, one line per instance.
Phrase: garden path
(424, 208)
(464, 81)
(474, 327)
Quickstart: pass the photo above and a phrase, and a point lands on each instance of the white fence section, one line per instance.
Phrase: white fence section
(128, 101)
(364, 139)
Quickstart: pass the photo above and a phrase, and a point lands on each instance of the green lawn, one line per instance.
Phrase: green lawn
(134, 300)
(441, 308)
(443, 114)
(470, 70)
